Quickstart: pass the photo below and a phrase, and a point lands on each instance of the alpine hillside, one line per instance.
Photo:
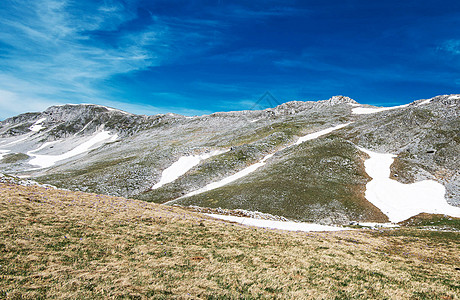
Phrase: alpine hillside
(331, 161)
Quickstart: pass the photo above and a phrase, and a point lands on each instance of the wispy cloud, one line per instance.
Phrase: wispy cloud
(57, 39)
(46, 49)
(314, 61)
(9, 104)
(63, 50)
(451, 46)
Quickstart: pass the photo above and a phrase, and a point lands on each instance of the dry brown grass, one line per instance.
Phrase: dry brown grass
(59, 244)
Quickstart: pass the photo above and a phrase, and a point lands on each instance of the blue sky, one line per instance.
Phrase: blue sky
(196, 57)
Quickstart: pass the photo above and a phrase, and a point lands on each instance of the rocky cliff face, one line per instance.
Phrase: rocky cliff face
(104, 150)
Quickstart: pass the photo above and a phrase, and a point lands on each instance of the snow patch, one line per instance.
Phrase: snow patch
(378, 225)
(227, 180)
(315, 135)
(453, 97)
(118, 110)
(45, 161)
(36, 126)
(372, 110)
(182, 166)
(84, 127)
(290, 226)
(401, 201)
(425, 102)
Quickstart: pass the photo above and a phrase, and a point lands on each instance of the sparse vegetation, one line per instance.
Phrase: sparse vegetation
(72, 245)
(13, 158)
(438, 222)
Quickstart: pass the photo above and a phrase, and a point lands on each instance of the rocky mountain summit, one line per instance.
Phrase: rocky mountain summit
(320, 178)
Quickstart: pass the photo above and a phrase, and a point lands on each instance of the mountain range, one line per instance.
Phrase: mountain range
(314, 161)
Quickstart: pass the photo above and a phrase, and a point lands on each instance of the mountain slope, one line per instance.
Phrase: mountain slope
(320, 180)
(78, 245)
(425, 136)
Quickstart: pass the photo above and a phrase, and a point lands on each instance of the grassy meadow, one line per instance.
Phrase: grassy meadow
(74, 245)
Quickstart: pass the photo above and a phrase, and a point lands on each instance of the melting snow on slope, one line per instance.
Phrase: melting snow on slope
(182, 166)
(377, 225)
(291, 226)
(36, 126)
(254, 167)
(228, 179)
(3, 153)
(15, 142)
(371, 110)
(45, 161)
(315, 135)
(425, 102)
(401, 201)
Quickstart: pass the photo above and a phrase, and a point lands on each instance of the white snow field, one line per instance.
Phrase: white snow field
(36, 126)
(182, 166)
(401, 201)
(290, 226)
(254, 167)
(45, 161)
(371, 110)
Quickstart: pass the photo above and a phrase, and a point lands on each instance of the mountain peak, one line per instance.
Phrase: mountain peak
(84, 106)
(339, 99)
